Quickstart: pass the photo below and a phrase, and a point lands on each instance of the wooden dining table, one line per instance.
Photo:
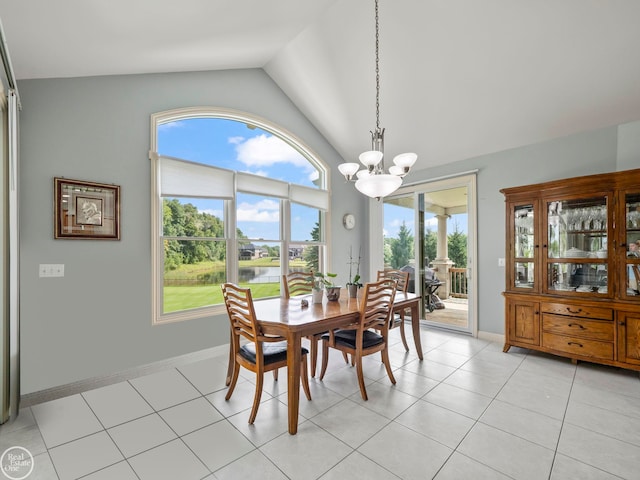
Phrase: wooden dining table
(293, 321)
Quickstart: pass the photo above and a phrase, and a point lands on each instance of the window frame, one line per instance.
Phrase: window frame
(230, 217)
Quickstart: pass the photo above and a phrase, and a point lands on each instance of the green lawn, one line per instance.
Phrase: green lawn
(185, 298)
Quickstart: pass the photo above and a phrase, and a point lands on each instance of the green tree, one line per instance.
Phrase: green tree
(387, 251)
(430, 246)
(310, 252)
(457, 243)
(402, 248)
(184, 220)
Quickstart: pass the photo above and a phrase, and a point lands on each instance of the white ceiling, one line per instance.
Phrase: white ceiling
(459, 78)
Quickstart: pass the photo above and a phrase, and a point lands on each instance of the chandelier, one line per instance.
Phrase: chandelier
(373, 181)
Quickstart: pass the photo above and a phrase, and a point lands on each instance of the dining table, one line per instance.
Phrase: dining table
(294, 319)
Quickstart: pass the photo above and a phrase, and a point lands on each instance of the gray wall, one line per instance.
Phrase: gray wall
(96, 320)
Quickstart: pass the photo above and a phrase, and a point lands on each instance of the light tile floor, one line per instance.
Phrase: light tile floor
(468, 411)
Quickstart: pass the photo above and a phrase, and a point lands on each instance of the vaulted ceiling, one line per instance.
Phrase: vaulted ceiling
(459, 78)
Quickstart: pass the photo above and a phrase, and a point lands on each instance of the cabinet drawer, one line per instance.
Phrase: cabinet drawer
(578, 327)
(578, 310)
(578, 346)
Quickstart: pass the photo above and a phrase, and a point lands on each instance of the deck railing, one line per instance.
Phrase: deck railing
(458, 282)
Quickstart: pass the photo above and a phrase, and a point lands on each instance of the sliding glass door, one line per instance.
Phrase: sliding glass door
(429, 230)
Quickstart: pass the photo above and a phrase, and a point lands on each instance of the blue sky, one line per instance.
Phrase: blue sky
(235, 146)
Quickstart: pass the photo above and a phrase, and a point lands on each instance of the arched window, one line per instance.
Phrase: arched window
(235, 199)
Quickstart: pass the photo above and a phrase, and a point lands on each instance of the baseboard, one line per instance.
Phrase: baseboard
(102, 381)
(491, 337)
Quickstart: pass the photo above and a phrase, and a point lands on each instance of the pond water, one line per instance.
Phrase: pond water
(246, 275)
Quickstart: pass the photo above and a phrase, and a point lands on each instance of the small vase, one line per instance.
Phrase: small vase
(353, 290)
(316, 296)
(333, 294)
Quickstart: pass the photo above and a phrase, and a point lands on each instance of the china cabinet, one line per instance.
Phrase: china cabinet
(573, 268)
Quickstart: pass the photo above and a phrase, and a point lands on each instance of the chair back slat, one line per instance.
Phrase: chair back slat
(377, 304)
(297, 283)
(402, 278)
(242, 315)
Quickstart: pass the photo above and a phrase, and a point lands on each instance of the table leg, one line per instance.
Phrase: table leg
(294, 347)
(415, 325)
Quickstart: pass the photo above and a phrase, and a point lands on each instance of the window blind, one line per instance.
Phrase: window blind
(250, 183)
(311, 197)
(184, 178)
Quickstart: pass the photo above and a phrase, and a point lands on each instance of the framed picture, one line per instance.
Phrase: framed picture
(86, 210)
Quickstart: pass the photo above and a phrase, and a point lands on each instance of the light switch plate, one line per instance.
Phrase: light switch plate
(51, 270)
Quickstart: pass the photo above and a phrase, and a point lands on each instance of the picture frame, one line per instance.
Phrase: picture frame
(86, 210)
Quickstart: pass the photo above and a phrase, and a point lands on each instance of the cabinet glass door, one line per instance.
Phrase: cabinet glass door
(577, 246)
(524, 244)
(632, 241)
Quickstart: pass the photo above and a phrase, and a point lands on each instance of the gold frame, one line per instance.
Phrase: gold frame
(100, 205)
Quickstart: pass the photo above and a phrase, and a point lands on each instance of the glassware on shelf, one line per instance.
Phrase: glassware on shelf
(579, 277)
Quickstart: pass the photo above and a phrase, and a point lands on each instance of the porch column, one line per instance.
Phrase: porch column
(442, 264)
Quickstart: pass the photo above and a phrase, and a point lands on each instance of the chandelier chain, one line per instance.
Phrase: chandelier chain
(377, 70)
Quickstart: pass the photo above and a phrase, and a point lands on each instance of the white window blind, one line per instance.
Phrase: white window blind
(249, 183)
(311, 197)
(183, 178)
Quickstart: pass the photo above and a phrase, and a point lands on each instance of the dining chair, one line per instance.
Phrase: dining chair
(369, 335)
(397, 318)
(260, 353)
(301, 283)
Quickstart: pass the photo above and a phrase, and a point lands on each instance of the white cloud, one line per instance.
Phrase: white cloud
(265, 211)
(215, 213)
(260, 173)
(265, 151)
(235, 140)
(397, 223)
(170, 125)
(431, 222)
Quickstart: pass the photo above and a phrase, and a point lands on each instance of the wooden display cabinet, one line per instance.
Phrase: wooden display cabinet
(572, 272)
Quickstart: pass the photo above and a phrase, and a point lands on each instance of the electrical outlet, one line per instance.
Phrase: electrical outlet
(501, 262)
(51, 270)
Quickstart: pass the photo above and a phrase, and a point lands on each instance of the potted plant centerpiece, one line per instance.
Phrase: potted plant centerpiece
(354, 281)
(318, 287)
(333, 290)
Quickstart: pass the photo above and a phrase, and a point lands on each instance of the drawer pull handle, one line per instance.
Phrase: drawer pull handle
(573, 311)
(575, 343)
(576, 325)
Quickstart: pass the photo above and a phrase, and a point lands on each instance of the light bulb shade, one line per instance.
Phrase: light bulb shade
(363, 173)
(370, 158)
(397, 170)
(378, 186)
(348, 169)
(405, 160)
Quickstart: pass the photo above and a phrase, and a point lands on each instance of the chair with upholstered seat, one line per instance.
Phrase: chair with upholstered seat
(370, 334)
(262, 353)
(402, 280)
(301, 283)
